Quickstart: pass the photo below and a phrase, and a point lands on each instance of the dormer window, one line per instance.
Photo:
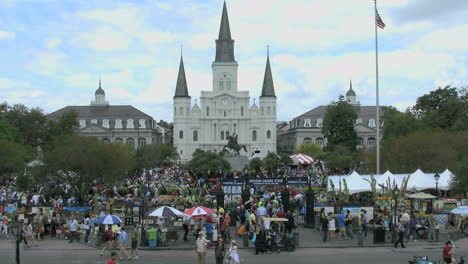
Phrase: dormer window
(307, 123)
(358, 121)
(105, 123)
(372, 122)
(93, 121)
(319, 122)
(82, 123)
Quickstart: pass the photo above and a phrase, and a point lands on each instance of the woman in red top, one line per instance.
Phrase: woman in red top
(448, 251)
(112, 258)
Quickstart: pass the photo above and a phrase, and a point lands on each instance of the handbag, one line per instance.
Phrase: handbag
(254, 237)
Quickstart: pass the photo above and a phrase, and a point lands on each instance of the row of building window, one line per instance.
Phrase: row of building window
(319, 122)
(224, 135)
(129, 141)
(118, 123)
(320, 141)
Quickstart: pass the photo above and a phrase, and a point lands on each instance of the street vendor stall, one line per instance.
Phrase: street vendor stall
(421, 203)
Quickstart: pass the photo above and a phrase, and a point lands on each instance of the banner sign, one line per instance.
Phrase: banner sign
(266, 181)
(232, 190)
(76, 209)
(232, 182)
(301, 181)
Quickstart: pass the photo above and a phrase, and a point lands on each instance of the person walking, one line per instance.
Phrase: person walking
(87, 228)
(5, 226)
(123, 238)
(201, 248)
(23, 232)
(341, 226)
(185, 225)
(108, 238)
(401, 233)
(260, 241)
(349, 224)
(36, 225)
(220, 251)
(73, 229)
(30, 235)
(233, 255)
(363, 218)
(325, 229)
(134, 252)
(431, 228)
(331, 227)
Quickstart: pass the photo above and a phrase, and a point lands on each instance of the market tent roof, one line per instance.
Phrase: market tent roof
(445, 180)
(383, 179)
(421, 195)
(303, 158)
(462, 210)
(418, 181)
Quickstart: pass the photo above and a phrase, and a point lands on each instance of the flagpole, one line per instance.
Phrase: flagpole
(377, 92)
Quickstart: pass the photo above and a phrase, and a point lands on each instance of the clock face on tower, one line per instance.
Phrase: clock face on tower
(225, 101)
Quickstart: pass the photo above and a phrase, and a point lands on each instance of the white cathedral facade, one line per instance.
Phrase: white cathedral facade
(225, 110)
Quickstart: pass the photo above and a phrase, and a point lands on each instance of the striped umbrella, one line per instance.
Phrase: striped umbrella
(109, 220)
(166, 211)
(198, 212)
(303, 159)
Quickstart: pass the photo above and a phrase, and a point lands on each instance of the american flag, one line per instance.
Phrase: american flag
(378, 20)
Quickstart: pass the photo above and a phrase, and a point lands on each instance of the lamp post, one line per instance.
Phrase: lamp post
(436, 178)
(220, 194)
(245, 190)
(16, 229)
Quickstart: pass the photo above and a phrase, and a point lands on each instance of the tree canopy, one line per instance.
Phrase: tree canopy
(312, 150)
(204, 163)
(83, 161)
(153, 156)
(338, 125)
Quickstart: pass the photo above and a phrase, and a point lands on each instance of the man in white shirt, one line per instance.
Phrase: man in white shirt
(201, 248)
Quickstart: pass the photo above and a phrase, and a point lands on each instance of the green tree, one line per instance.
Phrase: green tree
(460, 182)
(13, 157)
(203, 163)
(32, 123)
(80, 161)
(65, 125)
(340, 159)
(286, 160)
(338, 125)
(9, 132)
(312, 150)
(398, 123)
(256, 164)
(271, 161)
(441, 108)
(153, 156)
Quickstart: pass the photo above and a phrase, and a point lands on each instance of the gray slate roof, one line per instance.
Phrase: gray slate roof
(224, 43)
(268, 89)
(181, 86)
(110, 112)
(363, 112)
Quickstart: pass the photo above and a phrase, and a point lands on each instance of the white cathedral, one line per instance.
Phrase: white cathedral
(225, 110)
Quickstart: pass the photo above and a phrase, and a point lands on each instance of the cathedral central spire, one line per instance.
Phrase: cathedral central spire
(224, 43)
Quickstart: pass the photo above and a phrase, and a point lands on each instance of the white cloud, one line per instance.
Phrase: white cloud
(48, 63)
(104, 39)
(7, 35)
(53, 43)
(6, 83)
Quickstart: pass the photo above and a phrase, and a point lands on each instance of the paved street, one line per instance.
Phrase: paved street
(53, 251)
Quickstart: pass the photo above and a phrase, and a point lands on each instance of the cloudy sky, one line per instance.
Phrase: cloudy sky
(52, 52)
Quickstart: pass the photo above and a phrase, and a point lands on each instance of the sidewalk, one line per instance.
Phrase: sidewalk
(308, 238)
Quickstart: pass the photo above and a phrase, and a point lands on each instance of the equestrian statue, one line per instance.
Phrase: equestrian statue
(232, 145)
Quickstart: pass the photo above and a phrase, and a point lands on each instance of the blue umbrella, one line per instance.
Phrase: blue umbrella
(462, 210)
(109, 220)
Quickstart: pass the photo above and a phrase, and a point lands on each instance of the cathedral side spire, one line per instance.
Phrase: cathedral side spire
(268, 89)
(181, 86)
(224, 43)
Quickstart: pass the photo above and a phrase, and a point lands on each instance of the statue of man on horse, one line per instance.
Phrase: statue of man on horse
(233, 146)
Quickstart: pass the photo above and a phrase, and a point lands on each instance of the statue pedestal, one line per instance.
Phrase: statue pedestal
(237, 162)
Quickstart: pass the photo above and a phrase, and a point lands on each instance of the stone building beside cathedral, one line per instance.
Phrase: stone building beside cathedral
(226, 109)
(307, 128)
(116, 123)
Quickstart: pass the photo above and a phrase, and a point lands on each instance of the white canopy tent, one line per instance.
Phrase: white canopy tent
(418, 181)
